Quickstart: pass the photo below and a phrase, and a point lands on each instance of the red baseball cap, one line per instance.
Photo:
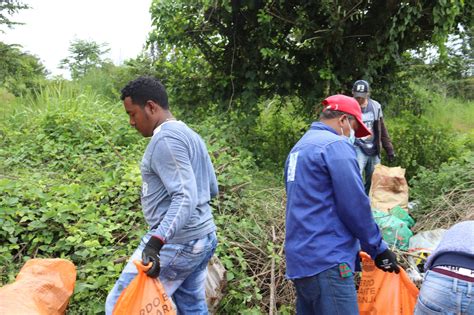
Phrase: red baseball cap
(350, 106)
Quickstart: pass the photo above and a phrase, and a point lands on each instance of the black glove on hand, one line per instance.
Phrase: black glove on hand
(151, 253)
(391, 158)
(387, 261)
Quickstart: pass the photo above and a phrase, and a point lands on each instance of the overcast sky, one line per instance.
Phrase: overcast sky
(50, 26)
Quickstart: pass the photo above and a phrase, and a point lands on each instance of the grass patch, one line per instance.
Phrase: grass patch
(442, 110)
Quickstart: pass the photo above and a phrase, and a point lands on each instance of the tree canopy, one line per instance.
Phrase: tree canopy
(20, 72)
(8, 8)
(308, 48)
(83, 56)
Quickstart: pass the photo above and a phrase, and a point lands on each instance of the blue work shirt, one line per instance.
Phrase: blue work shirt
(328, 214)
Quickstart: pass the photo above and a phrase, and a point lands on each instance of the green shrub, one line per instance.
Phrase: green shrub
(420, 143)
(279, 125)
(429, 187)
(70, 185)
(70, 188)
(20, 72)
(247, 246)
(463, 88)
(103, 81)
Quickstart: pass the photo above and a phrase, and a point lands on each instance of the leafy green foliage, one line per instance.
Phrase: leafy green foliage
(83, 56)
(278, 127)
(247, 246)
(188, 78)
(248, 204)
(444, 18)
(446, 75)
(244, 75)
(6, 97)
(19, 72)
(462, 88)
(8, 8)
(106, 81)
(70, 188)
(420, 143)
(310, 49)
(429, 187)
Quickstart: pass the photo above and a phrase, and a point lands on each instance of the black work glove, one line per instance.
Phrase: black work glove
(387, 261)
(391, 158)
(151, 253)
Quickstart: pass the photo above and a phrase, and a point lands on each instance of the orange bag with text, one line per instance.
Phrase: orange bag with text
(144, 295)
(383, 292)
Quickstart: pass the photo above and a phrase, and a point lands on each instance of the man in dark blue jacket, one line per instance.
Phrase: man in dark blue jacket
(328, 215)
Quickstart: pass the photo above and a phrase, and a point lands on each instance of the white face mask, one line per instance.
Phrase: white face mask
(351, 138)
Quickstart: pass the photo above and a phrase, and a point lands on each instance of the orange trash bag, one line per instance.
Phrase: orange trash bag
(385, 293)
(43, 286)
(144, 295)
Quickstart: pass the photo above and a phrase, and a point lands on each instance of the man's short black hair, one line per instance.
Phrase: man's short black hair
(144, 89)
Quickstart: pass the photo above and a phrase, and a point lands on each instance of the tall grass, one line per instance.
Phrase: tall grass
(59, 97)
(442, 110)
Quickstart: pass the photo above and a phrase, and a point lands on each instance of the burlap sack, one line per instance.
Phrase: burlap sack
(389, 188)
(42, 287)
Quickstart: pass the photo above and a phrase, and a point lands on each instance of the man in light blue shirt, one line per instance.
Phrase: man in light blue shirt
(328, 214)
(178, 184)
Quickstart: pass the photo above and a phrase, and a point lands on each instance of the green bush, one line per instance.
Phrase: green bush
(247, 246)
(279, 125)
(20, 72)
(429, 187)
(463, 88)
(70, 186)
(403, 91)
(103, 81)
(420, 143)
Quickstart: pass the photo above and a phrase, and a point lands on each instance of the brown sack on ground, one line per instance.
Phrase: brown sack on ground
(43, 286)
(389, 188)
(215, 284)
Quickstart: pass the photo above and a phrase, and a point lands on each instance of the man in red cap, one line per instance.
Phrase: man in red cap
(328, 214)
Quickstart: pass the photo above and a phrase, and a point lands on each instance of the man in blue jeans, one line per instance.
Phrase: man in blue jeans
(178, 184)
(448, 285)
(328, 215)
(368, 148)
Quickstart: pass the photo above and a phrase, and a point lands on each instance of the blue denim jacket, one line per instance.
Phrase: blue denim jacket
(328, 214)
(178, 184)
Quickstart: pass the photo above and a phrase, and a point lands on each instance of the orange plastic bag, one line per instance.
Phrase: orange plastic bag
(385, 293)
(144, 295)
(43, 286)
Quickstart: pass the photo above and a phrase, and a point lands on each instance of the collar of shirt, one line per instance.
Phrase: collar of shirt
(322, 126)
(158, 129)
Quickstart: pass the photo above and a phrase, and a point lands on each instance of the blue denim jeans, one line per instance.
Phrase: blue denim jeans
(366, 166)
(445, 295)
(183, 273)
(326, 293)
